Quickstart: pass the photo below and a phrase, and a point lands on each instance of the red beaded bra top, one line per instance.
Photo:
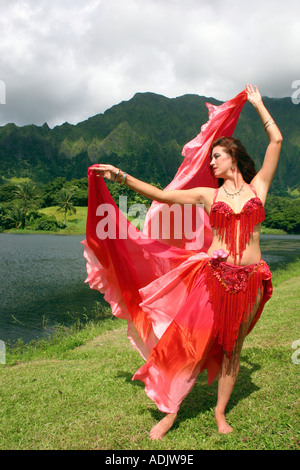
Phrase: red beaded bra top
(226, 221)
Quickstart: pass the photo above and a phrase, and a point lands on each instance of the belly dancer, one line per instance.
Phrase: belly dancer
(213, 298)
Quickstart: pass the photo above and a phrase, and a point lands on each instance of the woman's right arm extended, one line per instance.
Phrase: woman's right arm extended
(180, 196)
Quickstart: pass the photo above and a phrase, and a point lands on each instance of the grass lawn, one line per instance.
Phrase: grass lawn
(75, 391)
(76, 223)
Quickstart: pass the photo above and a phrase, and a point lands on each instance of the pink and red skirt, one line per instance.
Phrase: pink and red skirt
(195, 312)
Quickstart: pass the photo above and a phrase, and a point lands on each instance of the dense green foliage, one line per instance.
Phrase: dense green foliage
(42, 167)
(283, 213)
(144, 135)
(22, 204)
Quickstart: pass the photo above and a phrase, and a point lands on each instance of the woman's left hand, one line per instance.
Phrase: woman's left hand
(253, 95)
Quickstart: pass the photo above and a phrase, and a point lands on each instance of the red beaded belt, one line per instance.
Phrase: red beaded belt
(233, 290)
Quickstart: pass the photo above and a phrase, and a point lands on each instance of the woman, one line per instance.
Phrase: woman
(225, 289)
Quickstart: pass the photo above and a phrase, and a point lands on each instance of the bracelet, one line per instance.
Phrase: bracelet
(123, 178)
(116, 174)
(269, 125)
(267, 121)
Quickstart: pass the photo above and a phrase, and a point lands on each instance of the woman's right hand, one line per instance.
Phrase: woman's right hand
(106, 171)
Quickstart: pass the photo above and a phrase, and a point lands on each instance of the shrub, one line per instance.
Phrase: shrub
(43, 222)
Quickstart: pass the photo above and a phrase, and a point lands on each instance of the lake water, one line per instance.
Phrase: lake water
(42, 279)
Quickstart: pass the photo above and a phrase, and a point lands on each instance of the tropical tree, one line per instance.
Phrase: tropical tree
(25, 191)
(63, 200)
(15, 216)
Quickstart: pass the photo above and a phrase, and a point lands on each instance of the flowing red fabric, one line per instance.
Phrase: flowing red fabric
(152, 282)
(127, 260)
(195, 172)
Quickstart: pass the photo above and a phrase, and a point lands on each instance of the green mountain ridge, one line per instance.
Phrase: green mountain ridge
(145, 136)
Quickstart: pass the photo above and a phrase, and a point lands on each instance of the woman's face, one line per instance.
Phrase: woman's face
(221, 162)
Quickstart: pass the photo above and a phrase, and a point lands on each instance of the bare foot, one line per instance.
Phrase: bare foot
(223, 426)
(160, 429)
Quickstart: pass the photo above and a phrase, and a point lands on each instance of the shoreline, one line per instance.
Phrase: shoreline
(101, 317)
(76, 224)
(264, 231)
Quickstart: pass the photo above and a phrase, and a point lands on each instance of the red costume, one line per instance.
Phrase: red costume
(183, 308)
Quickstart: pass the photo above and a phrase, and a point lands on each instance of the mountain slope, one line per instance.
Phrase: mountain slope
(144, 135)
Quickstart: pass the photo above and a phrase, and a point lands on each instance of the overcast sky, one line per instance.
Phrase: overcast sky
(67, 60)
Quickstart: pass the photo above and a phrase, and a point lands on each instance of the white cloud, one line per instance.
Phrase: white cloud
(68, 60)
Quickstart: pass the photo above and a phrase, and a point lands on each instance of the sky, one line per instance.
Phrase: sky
(68, 60)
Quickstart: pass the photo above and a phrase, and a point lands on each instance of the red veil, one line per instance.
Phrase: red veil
(126, 260)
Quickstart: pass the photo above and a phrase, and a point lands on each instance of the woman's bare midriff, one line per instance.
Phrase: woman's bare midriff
(251, 255)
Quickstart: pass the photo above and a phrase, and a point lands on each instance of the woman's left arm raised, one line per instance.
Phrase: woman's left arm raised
(262, 181)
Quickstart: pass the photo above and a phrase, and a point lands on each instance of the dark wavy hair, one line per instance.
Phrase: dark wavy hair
(239, 155)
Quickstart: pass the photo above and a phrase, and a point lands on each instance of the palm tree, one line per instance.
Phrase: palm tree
(25, 191)
(16, 216)
(63, 200)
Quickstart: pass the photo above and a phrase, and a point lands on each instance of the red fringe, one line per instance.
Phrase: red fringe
(232, 300)
(227, 225)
